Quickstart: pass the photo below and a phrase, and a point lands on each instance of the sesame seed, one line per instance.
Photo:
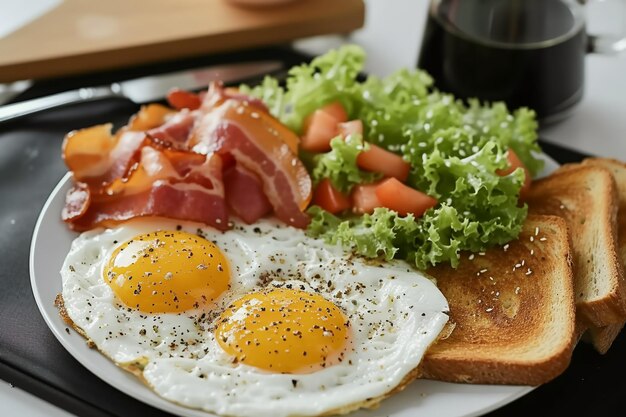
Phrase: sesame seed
(543, 239)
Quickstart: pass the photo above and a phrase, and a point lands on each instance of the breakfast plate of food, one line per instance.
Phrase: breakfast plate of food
(327, 246)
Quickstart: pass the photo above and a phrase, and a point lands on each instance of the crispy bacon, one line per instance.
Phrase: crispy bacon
(235, 94)
(77, 200)
(149, 117)
(96, 157)
(244, 194)
(175, 130)
(181, 99)
(166, 183)
(176, 163)
(259, 143)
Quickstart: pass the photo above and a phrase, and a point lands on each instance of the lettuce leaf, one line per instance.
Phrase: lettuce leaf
(455, 149)
(339, 164)
(327, 78)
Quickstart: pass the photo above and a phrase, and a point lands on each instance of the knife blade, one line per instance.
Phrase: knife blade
(144, 89)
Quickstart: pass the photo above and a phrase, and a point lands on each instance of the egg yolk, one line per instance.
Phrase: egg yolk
(167, 271)
(284, 330)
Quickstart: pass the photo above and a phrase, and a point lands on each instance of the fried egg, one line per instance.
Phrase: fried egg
(257, 321)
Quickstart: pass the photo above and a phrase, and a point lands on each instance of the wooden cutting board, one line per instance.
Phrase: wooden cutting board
(81, 36)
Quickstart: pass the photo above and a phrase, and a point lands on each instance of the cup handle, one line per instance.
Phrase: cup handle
(606, 44)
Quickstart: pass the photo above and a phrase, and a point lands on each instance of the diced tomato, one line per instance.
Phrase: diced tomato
(329, 198)
(336, 110)
(353, 127)
(364, 199)
(514, 163)
(321, 128)
(377, 159)
(401, 198)
(181, 99)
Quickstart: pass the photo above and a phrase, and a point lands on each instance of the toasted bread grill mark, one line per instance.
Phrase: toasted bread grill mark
(586, 197)
(514, 312)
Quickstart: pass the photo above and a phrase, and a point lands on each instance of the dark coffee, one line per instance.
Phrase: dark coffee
(525, 52)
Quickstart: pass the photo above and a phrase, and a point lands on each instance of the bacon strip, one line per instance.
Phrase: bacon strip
(251, 138)
(244, 194)
(174, 164)
(97, 157)
(175, 130)
(167, 183)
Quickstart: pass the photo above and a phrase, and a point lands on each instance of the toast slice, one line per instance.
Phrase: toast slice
(602, 337)
(512, 310)
(586, 197)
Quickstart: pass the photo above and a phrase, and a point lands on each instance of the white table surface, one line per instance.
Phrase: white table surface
(391, 37)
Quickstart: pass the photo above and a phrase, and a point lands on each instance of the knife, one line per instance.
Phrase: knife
(11, 90)
(143, 90)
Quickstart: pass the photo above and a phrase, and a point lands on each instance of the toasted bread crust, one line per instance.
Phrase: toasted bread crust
(586, 197)
(514, 312)
(602, 337)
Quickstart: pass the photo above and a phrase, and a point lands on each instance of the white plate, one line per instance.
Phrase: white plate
(50, 244)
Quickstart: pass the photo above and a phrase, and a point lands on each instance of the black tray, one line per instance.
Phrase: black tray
(32, 359)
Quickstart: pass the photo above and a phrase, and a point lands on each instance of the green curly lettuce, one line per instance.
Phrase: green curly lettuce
(327, 78)
(455, 149)
(339, 164)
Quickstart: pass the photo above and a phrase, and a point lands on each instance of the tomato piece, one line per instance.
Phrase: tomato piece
(321, 128)
(353, 127)
(364, 198)
(181, 99)
(329, 198)
(336, 110)
(514, 163)
(377, 159)
(401, 198)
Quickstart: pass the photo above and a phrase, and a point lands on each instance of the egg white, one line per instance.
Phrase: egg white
(395, 314)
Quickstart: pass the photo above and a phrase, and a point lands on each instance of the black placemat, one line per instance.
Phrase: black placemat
(31, 357)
